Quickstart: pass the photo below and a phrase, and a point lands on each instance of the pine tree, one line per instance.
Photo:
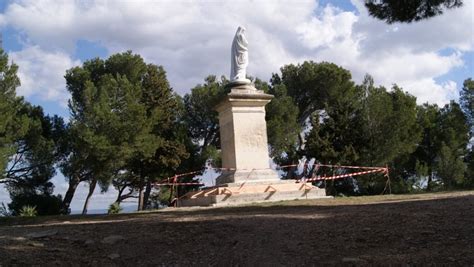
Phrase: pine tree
(408, 10)
(122, 116)
(28, 147)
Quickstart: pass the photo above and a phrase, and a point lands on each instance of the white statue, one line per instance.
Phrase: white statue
(240, 57)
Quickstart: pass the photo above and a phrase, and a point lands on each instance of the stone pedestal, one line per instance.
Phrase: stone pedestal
(244, 145)
(243, 132)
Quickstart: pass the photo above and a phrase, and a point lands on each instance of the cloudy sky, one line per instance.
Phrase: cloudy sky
(429, 59)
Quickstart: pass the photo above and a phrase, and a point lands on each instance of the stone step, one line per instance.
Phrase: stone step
(238, 199)
(247, 188)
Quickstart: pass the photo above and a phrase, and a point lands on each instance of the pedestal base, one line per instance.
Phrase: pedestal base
(245, 193)
(248, 176)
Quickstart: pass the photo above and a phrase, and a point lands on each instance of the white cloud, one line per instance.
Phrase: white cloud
(415, 73)
(42, 73)
(427, 90)
(192, 40)
(333, 26)
(3, 21)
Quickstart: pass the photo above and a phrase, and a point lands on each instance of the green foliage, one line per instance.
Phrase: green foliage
(282, 124)
(469, 182)
(450, 167)
(311, 85)
(114, 208)
(28, 211)
(390, 127)
(443, 146)
(200, 129)
(161, 198)
(28, 144)
(366, 126)
(45, 204)
(33, 164)
(12, 124)
(408, 10)
(123, 117)
(427, 149)
(389, 134)
(302, 91)
(453, 127)
(467, 102)
(453, 138)
(200, 116)
(333, 137)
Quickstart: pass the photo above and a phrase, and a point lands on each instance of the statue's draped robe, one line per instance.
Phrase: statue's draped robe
(239, 61)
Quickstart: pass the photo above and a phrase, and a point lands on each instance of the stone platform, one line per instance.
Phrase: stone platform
(244, 193)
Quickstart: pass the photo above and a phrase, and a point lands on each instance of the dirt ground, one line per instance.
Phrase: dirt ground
(412, 229)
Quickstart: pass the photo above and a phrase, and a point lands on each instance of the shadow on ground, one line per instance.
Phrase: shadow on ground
(427, 231)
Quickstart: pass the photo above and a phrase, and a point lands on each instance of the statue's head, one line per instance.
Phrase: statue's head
(240, 30)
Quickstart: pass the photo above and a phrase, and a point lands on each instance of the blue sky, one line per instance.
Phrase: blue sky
(429, 59)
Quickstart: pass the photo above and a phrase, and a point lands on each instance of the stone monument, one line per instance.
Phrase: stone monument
(246, 176)
(243, 129)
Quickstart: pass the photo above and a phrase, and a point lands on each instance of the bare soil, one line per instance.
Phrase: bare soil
(421, 229)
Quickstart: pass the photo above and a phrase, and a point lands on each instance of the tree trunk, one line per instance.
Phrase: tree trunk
(120, 192)
(430, 180)
(301, 140)
(91, 191)
(140, 195)
(171, 196)
(71, 190)
(146, 195)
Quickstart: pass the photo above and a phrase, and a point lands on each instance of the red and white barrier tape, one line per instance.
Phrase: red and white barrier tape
(158, 184)
(383, 170)
(174, 179)
(331, 166)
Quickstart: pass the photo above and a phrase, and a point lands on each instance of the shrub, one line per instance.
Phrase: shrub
(114, 208)
(45, 204)
(28, 211)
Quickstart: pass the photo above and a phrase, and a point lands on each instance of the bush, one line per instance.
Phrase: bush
(45, 204)
(28, 211)
(114, 208)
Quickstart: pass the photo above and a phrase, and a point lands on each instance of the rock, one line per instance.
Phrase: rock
(89, 242)
(36, 244)
(112, 239)
(42, 234)
(114, 256)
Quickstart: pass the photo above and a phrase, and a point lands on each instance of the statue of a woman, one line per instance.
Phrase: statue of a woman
(240, 57)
